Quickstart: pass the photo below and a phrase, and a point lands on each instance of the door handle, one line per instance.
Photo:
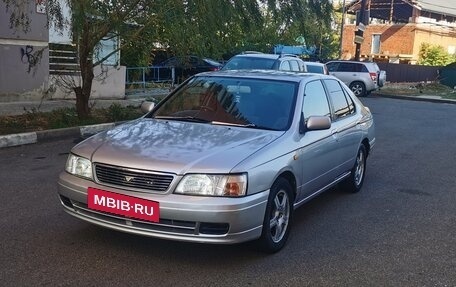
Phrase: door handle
(335, 135)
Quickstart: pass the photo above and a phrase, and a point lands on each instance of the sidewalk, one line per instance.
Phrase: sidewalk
(17, 108)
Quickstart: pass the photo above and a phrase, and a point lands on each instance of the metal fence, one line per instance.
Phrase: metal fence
(145, 77)
(397, 73)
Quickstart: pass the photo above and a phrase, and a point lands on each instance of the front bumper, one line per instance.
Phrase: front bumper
(182, 217)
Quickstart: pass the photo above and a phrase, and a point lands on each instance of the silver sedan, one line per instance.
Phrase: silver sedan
(225, 158)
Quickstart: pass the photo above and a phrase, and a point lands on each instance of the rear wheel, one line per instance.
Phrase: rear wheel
(358, 88)
(277, 219)
(355, 181)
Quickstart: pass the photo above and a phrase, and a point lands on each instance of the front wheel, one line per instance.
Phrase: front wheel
(355, 181)
(277, 219)
(359, 89)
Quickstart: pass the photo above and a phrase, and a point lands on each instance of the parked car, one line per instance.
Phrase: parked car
(185, 67)
(256, 60)
(316, 67)
(225, 158)
(361, 77)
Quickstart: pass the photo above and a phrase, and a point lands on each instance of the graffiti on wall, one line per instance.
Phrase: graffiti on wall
(28, 57)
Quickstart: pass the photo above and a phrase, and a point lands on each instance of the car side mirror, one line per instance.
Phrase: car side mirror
(318, 123)
(315, 123)
(147, 106)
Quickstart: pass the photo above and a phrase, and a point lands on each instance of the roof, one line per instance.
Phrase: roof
(403, 9)
(265, 55)
(258, 55)
(444, 7)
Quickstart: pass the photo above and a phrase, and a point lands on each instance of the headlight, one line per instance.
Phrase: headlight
(79, 166)
(213, 185)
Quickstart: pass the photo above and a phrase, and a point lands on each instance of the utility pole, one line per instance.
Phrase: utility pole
(360, 24)
(342, 30)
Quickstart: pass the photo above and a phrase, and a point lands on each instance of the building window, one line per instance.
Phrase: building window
(375, 44)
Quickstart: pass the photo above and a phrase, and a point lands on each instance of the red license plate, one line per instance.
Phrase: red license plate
(128, 206)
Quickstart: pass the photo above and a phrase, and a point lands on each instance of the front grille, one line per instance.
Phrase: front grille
(132, 178)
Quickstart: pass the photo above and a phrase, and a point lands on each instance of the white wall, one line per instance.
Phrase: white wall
(109, 83)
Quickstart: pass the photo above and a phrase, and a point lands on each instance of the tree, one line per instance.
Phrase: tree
(94, 20)
(91, 21)
(219, 27)
(202, 27)
(434, 55)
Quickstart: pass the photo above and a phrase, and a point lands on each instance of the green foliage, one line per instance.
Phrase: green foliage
(434, 55)
(35, 120)
(210, 28)
(216, 28)
(117, 112)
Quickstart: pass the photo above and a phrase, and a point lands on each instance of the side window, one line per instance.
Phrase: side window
(338, 100)
(361, 68)
(315, 100)
(285, 66)
(351, 104)
(332, 67)
(294, 66)
(347, 67)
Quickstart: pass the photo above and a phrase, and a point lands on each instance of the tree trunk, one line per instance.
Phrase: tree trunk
(83, 93)
(82, 105)
(86, 65)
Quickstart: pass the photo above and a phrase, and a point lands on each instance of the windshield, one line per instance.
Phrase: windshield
(242, 63)
(255, 103)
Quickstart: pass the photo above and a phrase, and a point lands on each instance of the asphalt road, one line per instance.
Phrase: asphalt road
(399, 231)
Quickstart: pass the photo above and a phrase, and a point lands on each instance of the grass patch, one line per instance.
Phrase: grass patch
(416, 90)
(35, 120)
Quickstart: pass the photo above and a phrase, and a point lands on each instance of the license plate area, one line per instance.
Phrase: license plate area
(125, 205)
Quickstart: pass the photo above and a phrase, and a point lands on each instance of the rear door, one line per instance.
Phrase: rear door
(345, 127)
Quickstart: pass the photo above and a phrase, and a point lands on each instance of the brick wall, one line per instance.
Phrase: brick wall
(395, 39)
(399, 39)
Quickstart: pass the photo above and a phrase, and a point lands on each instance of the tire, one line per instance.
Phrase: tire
(354, 183)
(277, 218)
(358, 88)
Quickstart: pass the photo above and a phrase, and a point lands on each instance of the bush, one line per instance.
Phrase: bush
(34, 120)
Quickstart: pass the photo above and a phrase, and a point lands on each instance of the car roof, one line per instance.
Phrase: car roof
(265, 56)
(267, 74)
(350, 61)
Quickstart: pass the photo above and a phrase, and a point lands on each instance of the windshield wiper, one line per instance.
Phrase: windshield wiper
(249, 125)
(233, 124)
(184, 118)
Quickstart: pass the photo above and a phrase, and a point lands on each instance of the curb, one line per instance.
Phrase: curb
(47, 135)
(415, 98)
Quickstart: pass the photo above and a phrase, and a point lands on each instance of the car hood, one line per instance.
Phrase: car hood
(176, 147)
